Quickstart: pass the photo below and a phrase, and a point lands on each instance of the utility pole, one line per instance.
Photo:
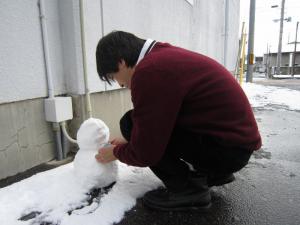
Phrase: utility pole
(295, 50)
(250, 57)
(278, 62)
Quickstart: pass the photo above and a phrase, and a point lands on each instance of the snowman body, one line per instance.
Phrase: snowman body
(92, 135)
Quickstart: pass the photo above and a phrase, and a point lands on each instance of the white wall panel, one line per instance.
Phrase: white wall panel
(21, 55)
(93, 32)
(22, 67)
(198, 26)
(233, 34)
(72, 51)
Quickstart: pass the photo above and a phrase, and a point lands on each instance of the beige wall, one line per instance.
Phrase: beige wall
(27, 140)
(110, 107)
(107, 106)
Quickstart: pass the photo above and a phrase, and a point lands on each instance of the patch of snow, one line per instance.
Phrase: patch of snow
(261, 96)
(54, 193)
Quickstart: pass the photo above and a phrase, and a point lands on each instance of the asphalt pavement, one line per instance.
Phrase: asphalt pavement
(267, 191)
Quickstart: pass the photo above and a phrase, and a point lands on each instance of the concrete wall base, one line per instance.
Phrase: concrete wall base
(27, 140)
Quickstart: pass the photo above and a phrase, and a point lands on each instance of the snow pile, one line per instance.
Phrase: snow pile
(262, 96)
(55, 193)
(91, 136)
(132, 183)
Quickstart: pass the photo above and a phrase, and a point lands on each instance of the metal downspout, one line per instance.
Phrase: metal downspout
(55, 126)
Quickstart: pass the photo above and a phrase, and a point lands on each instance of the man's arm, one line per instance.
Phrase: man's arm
(157, 99)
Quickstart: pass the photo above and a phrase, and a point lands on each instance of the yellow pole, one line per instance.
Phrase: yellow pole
(243, 58)
(238, 62)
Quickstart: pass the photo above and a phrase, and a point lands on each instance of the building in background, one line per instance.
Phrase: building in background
(26, 138)
(259, 66)
(269, 62)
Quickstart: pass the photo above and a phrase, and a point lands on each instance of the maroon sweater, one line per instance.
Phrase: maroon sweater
(172, 87)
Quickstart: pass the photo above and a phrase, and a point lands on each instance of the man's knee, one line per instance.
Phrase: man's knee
(126, 125)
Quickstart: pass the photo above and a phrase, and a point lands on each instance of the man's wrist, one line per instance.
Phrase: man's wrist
(118, 148)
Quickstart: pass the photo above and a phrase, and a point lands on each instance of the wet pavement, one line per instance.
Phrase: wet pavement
(267, 191)
(291, 83)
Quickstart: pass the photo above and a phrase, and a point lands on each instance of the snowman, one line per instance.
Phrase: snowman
(92, 135)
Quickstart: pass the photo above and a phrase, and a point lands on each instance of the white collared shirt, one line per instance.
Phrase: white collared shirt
(145, 49)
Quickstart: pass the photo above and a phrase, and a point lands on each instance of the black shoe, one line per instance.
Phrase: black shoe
(219, 179)
(189, 199)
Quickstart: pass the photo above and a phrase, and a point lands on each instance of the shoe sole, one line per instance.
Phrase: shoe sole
(200, 208)
(222, 181)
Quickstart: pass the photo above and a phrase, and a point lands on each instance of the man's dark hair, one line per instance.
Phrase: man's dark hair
(114, 47)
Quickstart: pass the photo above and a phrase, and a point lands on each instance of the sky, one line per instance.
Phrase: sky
(56, 192)
(267, 31)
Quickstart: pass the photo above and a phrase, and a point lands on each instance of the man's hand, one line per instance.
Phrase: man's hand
(106, 154)
(118, 141)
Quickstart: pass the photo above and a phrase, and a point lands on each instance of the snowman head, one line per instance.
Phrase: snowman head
(92, 134)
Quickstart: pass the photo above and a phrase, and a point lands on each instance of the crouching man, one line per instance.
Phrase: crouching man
(191, 122)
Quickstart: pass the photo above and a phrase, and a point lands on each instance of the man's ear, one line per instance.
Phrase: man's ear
(122, 63)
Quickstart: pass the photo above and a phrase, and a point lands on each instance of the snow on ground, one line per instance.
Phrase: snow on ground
(56, 192)
(286, 76)
(269, 96)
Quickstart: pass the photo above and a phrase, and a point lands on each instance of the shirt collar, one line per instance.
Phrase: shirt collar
(149, 44)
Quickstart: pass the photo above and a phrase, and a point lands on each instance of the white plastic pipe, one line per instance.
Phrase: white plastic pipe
(55, 126)
(46, 49)
(63, 126)
(49, 76)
